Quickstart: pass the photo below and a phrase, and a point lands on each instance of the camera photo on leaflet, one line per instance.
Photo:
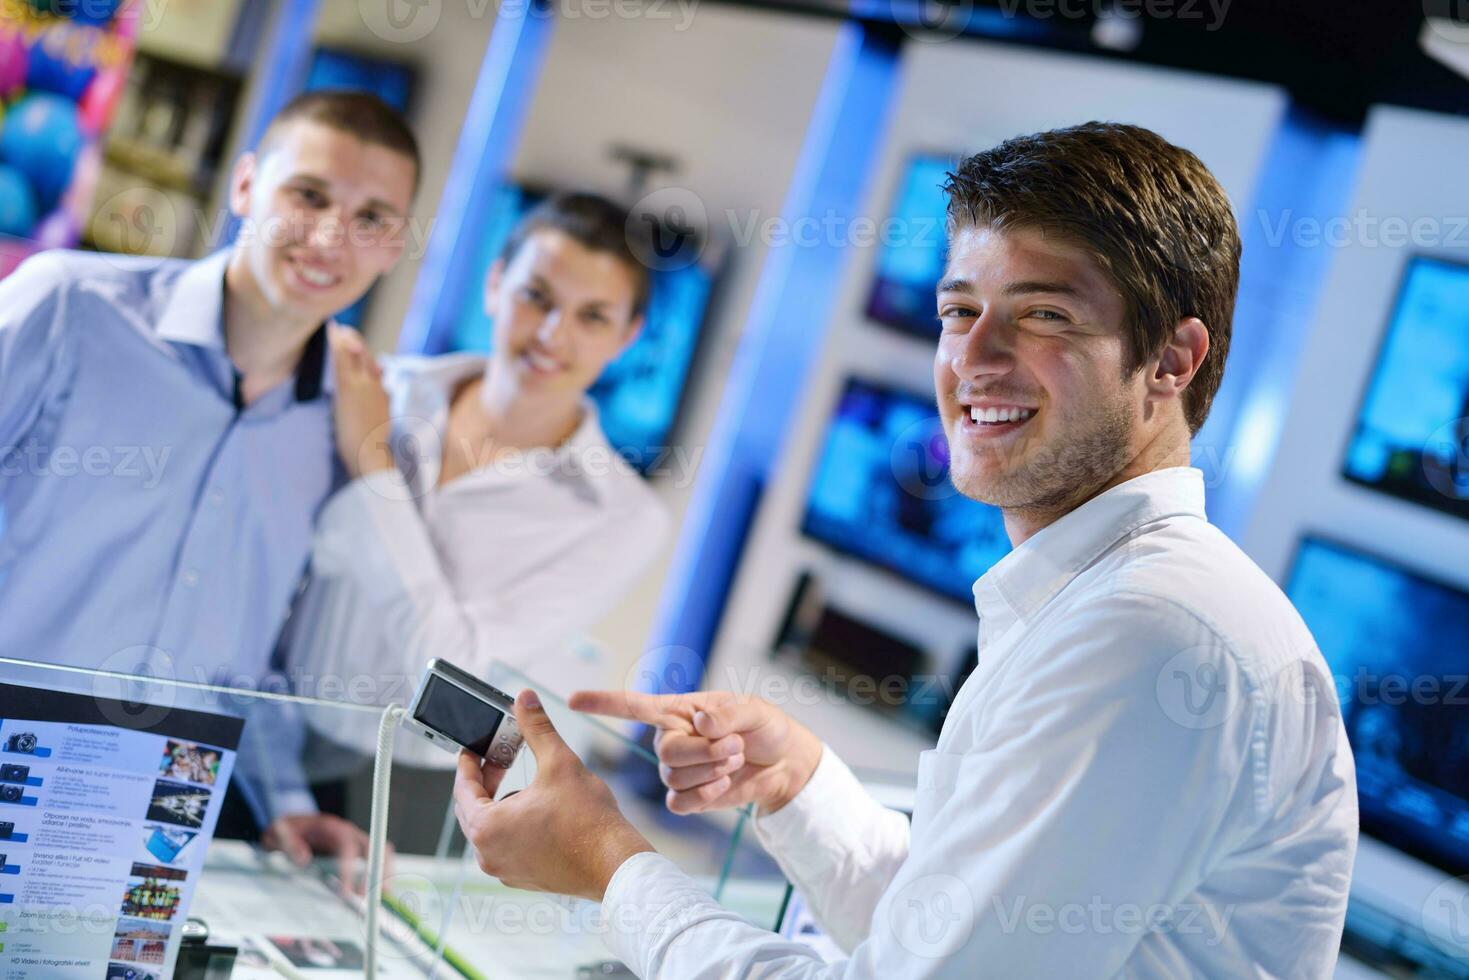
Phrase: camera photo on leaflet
(127, 971)
(162, 843)
(140, 941)
(189, 762)
(458, 714)
(178, 803)
(12, 773)
(23, 743)
(156, 894)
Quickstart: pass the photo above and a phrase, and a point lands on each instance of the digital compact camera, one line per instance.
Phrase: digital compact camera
(11, 773)
(10, 793)
(23, 742)
(457, 710)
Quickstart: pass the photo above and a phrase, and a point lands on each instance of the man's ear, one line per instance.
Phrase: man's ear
(1179, 360)
(493, 280)
(242, 181)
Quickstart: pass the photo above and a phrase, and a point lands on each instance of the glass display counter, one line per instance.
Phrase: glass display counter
(129, 839)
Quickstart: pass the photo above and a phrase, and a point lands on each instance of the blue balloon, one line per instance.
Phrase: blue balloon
(17, 202)
(42, 137)
(94, 11)
(48, 72)
(86, 11)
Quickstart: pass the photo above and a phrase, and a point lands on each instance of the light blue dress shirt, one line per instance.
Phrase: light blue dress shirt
(149, 523)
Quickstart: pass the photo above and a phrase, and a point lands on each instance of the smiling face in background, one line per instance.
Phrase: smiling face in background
(561, 311)
(324, 216)
(1033, 347)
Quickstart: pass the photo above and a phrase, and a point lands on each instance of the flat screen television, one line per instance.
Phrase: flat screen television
(881, 492)
(912, 248)
(1412, 434)
(390, 81)
(640, 394)
(1397, 644)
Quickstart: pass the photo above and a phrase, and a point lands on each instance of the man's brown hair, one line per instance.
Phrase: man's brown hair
(359, 114)
(1149, 212)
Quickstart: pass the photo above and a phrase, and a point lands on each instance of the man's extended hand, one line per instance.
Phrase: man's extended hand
(304, 834)
(717, 749)
(563, 833)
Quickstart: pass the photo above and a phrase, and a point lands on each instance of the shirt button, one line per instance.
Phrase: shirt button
(191, 578)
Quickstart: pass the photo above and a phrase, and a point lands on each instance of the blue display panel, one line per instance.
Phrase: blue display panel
(881, 492)
(912, 248)
(1398, 648)
(1412, 434)
(640, 393)
(388, 80)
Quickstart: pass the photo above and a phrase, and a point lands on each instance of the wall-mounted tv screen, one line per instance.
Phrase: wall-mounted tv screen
(912, 248)
(1412, 434)
(389, 80)
(881, 492)
(640, 393)
(1396, 645)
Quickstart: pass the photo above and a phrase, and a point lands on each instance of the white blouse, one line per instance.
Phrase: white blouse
(505, 564)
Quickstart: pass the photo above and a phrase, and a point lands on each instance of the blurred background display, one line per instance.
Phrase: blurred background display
(1414, 422)
(1386, 632)
(912, 248)
(881, 492)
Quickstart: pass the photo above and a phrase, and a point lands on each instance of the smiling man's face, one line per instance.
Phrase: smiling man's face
(1029, 371)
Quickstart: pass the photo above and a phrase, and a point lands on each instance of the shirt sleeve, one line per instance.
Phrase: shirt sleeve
(838, 846)
(272, 778)
(1086, 808)
(373, 532)
(36, 348)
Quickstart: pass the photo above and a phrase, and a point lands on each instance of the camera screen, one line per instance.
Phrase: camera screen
(448, 708)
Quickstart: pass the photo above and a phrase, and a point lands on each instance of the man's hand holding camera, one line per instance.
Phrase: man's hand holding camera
(564, 832)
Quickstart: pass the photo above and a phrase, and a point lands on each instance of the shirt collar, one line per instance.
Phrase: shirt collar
(194, 315)
(1020, 584)
(194, 311)
(410, 378)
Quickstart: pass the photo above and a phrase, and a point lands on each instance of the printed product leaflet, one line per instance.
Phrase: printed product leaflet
(106, 810)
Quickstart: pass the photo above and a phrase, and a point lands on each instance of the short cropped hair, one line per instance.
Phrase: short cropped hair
(359, 114)
(596, 224)
(1150, 213)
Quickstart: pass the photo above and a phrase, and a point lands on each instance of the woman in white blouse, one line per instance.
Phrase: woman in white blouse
(487, 520)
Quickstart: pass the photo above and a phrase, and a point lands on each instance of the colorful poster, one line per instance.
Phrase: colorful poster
(103, 830)
(63, 66)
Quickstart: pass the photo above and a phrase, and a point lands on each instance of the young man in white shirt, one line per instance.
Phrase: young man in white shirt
(1147, 774)
(488, 519)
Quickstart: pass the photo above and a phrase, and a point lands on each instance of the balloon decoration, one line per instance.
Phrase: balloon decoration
(17, 202)
(42, 137)
(100, 100)
(63, 69)
(15, 61)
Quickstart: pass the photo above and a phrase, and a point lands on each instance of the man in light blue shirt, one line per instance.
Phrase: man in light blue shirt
(166, 429)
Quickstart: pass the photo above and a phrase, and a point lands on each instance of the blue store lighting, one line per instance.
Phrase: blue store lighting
(492, 127)
(848, 127)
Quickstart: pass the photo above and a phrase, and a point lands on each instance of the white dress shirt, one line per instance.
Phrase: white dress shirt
(503, 565)
(1146, 776)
